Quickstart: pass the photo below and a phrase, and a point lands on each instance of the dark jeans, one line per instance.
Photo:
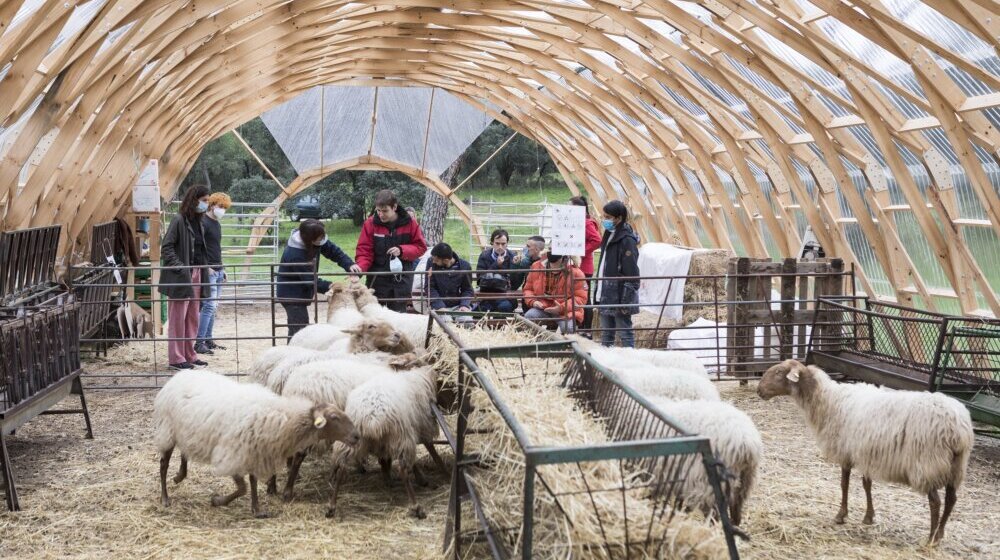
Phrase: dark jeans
(588, 313)
(388, 288)
(298, 317)
(614, 323)
(497, 305)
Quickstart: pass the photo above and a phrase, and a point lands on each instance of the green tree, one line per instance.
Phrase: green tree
(254, 189)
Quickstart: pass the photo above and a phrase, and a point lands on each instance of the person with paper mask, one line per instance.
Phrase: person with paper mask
(390, 241)
(555, 296)
(297, 281)
(619, 257)
(215, 274)
(184, 257)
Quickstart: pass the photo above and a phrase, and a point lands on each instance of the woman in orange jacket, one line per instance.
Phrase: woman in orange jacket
(556, 295)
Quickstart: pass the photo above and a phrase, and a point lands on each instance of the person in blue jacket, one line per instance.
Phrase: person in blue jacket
(297, 283)
(450, 284)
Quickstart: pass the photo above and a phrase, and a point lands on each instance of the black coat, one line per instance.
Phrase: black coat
(302, 272)
(455, 288)
(177, 250)
(487, 267)
(619, 257)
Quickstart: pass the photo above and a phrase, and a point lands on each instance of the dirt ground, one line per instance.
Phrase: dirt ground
(99, 498)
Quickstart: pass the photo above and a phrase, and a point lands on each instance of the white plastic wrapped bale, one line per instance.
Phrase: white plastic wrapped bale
(418, 282)
(707, 341)
(663, 259)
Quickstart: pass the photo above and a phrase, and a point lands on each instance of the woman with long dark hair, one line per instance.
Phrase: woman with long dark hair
(297, 281)
(184, 258)
(619, 258)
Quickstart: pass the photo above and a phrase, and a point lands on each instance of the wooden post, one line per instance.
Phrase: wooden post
(788, 307)
(743, 339)
(155, 225)
(730, 314)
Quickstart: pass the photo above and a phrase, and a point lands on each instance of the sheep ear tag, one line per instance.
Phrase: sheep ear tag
(793, 376)
(319, 422)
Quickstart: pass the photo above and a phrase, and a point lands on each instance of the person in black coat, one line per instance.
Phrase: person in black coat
(183, 257)
(450, 284)
(493, 267)
(297, 281)
(619, 258)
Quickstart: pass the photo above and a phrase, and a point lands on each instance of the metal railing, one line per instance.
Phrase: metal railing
(650, 451)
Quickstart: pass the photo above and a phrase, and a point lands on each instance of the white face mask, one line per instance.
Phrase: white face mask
(395, 265)
(219, 212)
(320, 242)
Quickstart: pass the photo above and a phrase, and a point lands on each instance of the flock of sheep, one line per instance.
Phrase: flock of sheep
(357, 383)
(918, 439)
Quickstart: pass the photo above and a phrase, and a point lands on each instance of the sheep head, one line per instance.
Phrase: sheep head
(375, 335)
(338, 297)
(334, 425)
(363, 296)
(786, 378)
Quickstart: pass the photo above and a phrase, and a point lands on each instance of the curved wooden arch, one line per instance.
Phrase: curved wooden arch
(648, 112)
(364, 163)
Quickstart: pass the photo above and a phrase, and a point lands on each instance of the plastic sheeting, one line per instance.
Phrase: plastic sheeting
(423, 128)
(663, 259)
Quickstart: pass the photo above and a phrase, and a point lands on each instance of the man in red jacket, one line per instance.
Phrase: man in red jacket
(389, 235)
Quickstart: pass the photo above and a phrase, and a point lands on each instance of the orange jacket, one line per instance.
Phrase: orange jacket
(552, 289)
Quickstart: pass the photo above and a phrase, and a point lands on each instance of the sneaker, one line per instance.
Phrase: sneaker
(202, 348)
(180, 366)
(213, 346)
(201, 363)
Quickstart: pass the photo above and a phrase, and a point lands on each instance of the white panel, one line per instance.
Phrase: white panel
(401, 124)
(347, 122)
(81, 16)
(295, 125)
(454, 126)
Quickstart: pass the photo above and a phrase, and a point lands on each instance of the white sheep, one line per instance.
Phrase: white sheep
(660, 358)
(652, 380)
(272, 367)
(342, 313)
(919, 439)
(411, 325)
(393, 416)
(238, 429)
(736, 442)
(331, 381)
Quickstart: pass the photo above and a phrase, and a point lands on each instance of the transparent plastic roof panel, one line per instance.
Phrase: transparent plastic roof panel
(422, 128)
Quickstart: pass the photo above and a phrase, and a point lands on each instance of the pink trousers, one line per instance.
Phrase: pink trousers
(182, 317)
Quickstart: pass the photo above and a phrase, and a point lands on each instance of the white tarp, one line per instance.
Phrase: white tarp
(706, 340)
(663, 259)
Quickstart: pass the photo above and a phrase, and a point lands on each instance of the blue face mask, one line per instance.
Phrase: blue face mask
(608, 224)
(202, 207)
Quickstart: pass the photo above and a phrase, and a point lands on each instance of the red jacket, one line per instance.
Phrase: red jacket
(552, 289)
(592, 243)
(376, 238)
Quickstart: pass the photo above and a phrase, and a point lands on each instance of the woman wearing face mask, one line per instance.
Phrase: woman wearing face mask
(619, 258)
(300, 259)
(555, 295)
(183, 256)
(215, 274)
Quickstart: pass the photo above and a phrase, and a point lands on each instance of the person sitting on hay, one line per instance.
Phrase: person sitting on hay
(555, 291)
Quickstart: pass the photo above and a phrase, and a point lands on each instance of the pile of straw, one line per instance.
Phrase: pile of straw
(583, 522)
